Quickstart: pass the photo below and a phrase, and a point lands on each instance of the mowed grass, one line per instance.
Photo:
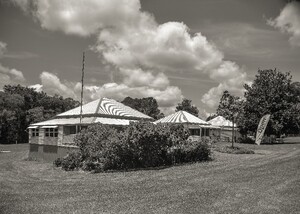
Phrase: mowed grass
(265, 182)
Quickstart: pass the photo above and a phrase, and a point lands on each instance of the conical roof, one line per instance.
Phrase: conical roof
(105, 107)
(221, 121)
(182, 117)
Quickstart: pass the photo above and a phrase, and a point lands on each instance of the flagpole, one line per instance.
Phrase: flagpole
(81, 97)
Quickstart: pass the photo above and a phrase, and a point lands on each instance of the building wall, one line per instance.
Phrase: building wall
(48, 152)
(50, 148)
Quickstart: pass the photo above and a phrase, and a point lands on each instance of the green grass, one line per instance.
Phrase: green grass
(265, 182)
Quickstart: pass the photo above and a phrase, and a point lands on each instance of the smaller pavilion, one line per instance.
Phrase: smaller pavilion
(226, 127)
(197, 126)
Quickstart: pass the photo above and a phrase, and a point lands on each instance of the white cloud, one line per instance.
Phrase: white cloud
(138, 77)
(82, 17)
(9, 75)
(140, 48)
(52, 85)
(288, 21)
(36, 87)
(231, 78)
(164, 47)
(166, 97)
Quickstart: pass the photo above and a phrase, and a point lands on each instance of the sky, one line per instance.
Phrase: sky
(166, 49)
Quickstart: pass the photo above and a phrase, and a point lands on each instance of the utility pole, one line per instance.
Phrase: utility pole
(81, 97)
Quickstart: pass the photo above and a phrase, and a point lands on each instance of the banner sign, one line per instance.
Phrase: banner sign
(261, 128)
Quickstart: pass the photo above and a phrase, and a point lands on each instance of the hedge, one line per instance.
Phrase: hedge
(139, 145)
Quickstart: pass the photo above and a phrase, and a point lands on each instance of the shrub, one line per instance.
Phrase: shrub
(191, 151)
(71, 161)
(246, 140)
(145, 144)
(57, 162)
(140, 145)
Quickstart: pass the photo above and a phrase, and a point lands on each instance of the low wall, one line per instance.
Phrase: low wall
(48, 152)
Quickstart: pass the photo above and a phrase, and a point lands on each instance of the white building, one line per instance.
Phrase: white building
(54, 138)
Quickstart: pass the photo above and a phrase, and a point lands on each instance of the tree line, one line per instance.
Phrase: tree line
(21, 106)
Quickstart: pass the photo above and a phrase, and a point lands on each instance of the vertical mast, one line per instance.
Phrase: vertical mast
(81, 97)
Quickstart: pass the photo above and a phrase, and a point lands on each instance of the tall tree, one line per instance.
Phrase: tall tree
(147, 106)
(186, 105)
(229, 106)
(270, 93)
(21, 106)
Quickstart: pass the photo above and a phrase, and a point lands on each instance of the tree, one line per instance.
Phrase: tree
(210, 117)
(270, 93)
(186, 105)
(230, 107)
(21, 106)
(147, 106)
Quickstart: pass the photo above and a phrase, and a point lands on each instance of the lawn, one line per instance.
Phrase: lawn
(265, 182)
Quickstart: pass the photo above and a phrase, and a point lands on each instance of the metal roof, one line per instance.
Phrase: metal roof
(105, 107)
(85, 121)
(221, 121)
(182, 117)
(104, 110)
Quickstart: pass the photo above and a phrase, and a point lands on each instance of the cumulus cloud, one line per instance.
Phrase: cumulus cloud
(82, 17)
(138, 77)
(166, 97)
(140, 48)
(52, 84)
(165, 47)
(288, 22)
(231, 77)
(9, 75)
(37, 87)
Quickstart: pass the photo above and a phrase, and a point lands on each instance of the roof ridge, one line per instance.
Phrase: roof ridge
(98, 105)
(182, 112)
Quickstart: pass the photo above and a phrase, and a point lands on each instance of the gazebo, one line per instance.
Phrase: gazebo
(197, 126)
(54, 138)
(226, 127)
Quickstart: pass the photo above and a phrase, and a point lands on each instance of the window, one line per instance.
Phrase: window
(51, 132)
(34, 132)
(195, 132)
(69, 130)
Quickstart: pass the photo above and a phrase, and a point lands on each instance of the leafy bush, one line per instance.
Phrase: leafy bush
(146, 145)
(191, 151)
(140, 145)
(57, 162)
(246, 140)
(71, 161)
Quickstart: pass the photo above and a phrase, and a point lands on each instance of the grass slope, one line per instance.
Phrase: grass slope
(265, 182)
